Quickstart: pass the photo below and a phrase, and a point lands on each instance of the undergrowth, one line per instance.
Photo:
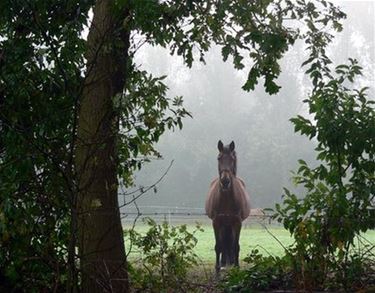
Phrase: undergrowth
(267, 273)
(166, 257)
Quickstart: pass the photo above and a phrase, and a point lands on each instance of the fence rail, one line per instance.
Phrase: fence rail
(178, 215)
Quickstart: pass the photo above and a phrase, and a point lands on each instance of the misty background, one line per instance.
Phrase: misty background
(267, 147)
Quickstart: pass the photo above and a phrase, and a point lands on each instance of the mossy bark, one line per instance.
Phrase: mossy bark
(100, 235)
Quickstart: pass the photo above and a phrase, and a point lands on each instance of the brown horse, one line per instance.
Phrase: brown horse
(227, 205)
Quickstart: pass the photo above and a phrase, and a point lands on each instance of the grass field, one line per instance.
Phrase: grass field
(254, 236)
(251, 237)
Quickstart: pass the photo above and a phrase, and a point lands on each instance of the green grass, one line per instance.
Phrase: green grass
(251, 237)
(255, 236)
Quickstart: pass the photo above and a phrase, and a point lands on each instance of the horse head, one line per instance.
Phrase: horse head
(227, 164)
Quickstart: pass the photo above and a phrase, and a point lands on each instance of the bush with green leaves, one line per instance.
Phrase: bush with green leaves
(339, 201)
(266, 273)
(339, 204)
(166, 255)
(260, 273)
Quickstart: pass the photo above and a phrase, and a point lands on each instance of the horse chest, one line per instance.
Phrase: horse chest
(227, 204)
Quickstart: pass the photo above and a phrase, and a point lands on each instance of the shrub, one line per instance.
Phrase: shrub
(262, 273)
(166, 255)
(339, 201)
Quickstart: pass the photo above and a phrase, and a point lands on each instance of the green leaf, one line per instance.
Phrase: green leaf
(252, 79)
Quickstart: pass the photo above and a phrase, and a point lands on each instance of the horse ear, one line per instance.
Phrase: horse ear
(231, 146)
(220, 146)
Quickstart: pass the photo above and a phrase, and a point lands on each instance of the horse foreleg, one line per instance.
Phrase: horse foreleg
(224, 255)
(237, 244)
(227, 239)
(232, 247)
(237, 252)
(218, 248)
(217, 265)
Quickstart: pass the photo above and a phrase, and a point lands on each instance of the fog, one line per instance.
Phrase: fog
(267, 147)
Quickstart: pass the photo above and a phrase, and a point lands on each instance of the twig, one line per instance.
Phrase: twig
(274, 237)
(145, 190)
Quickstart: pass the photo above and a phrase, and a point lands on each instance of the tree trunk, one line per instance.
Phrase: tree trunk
(100, 235)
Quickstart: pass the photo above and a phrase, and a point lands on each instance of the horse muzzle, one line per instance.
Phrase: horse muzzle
(225, 183)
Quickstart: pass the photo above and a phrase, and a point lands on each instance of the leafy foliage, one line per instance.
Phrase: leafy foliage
(262, 273)
(145, 113)
(167, 254)
(339, 203)
(255, 30)
(41, 77)
(267, 273)
(40, 85)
